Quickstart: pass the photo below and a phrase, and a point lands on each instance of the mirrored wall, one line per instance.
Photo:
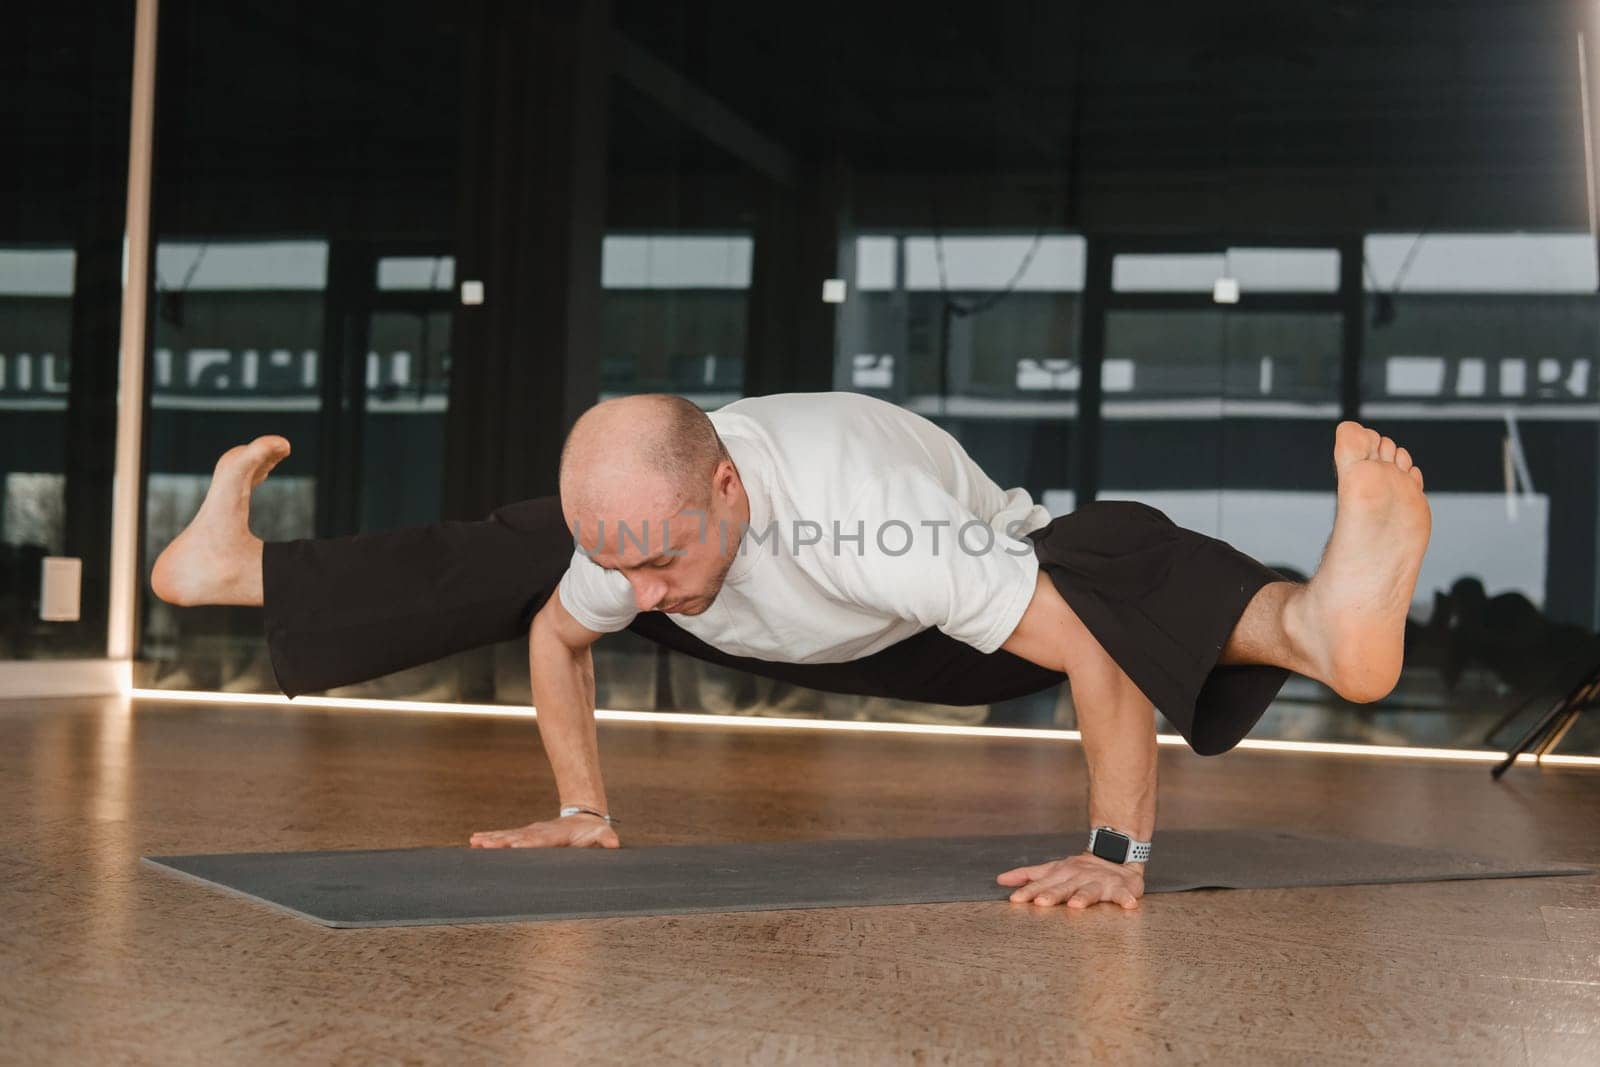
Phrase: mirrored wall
(1119, 256)
(63, 196)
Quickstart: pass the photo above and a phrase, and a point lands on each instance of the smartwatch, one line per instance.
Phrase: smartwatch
(1116, 846)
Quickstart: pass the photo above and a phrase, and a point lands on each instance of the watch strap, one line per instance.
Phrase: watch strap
(1138, 851)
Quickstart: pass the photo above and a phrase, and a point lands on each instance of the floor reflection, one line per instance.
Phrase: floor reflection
(1469, 660)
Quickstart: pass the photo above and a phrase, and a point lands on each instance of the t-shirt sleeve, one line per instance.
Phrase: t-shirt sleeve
(923, 556)
(599, 599)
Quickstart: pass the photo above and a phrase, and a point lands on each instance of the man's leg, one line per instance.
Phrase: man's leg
(350, 608)
(1345, 628)
(347, 609)
(216, 559)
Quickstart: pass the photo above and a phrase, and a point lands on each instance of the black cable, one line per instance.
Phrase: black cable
(980, 306)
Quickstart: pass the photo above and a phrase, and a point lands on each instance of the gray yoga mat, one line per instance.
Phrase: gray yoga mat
(430, 886)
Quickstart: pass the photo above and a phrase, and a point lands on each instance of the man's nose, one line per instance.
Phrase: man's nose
(647, 595)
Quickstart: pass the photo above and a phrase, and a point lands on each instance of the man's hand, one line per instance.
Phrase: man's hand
(575, 831)
(1079, 880)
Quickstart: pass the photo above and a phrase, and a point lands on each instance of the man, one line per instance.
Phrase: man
(774, 533)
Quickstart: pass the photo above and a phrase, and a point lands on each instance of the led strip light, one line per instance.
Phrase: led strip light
(1459, 755)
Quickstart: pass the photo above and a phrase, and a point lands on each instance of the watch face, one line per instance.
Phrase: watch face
(1111, 845)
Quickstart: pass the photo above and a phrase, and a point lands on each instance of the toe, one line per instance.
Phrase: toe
(266, 452)
(1416, 472)
(1350, 444)
(1402, 459)
(1387, 449)
(269, 446)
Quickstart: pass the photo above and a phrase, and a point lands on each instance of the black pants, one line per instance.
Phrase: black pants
(1162, 600)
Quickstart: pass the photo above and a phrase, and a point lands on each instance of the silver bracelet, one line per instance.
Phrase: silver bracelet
(574, 809)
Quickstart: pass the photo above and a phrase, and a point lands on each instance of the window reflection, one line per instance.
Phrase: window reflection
(66, 80)
(675, 314)
(238, 325)
(35, 328)
(36, 311)
(1479, 353)
(36, 325)
(410, 273)
(966, 325)
(1254, 270)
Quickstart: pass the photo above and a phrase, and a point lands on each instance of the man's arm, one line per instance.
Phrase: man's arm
(1119, 744)
(562, 673)
(1118, 726)
(992, 594)
(561, 666)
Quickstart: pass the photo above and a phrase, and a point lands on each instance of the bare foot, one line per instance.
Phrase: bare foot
(1352, 616)
(216, 559)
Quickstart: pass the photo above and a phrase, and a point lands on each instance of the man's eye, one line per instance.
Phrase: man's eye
(664, 563)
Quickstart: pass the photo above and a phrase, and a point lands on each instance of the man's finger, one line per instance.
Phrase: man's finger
(1055, 890)
(1027, 892)
(1045, 885)
(1084, 897)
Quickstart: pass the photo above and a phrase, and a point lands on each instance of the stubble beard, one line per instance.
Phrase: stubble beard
(705, 600)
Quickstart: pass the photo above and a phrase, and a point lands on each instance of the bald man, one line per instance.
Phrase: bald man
(841, 542)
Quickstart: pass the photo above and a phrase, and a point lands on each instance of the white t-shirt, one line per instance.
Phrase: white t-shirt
(939, 545)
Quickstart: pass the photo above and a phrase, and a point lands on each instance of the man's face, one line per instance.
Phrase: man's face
(674, 558)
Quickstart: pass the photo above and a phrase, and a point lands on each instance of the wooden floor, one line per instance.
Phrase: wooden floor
(102, 959)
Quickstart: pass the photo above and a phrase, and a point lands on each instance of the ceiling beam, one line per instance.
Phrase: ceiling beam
(700, 111)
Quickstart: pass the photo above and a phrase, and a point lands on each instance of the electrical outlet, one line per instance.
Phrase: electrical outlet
(60, 588)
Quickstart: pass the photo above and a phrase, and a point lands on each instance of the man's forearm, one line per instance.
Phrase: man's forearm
(563, 697)
(1119, 744)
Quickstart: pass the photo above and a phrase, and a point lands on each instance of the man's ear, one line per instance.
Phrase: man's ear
(725, 478)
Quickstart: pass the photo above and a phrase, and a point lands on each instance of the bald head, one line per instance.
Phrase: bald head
(639, 456)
